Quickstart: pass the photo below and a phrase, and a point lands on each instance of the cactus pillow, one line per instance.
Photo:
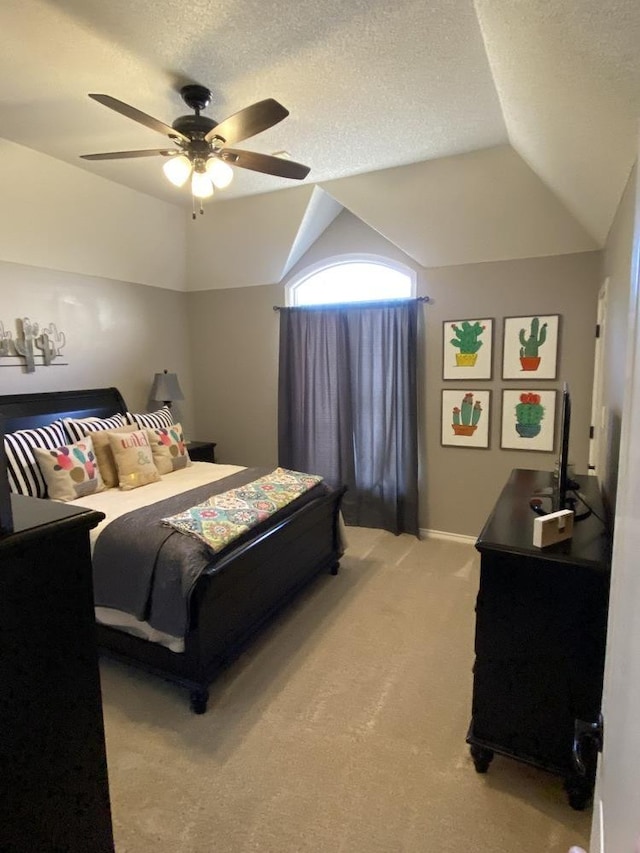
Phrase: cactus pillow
(168, 448)
(70, 471)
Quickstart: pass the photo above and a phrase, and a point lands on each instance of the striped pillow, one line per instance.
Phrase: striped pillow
(155, 420)
(77, 428)
(25, 477)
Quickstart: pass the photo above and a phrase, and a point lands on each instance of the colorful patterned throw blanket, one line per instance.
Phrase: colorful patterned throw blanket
(223, 518)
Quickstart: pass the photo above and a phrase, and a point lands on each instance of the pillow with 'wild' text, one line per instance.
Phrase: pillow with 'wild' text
(104, 454)
(133, 458)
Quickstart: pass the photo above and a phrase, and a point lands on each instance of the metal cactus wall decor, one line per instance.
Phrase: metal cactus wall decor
(30, 343)
(5, 341)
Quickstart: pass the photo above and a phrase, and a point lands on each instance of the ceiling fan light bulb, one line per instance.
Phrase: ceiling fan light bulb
(220, 173)
(177, 169)
(201, 185)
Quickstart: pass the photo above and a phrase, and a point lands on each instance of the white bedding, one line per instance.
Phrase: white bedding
(114, 503)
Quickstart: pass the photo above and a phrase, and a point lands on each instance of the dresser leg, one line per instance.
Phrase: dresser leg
(579, 791)
(482, 757)
(198, 701)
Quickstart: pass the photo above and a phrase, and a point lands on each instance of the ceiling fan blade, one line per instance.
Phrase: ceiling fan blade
(265, 163)
(119, 155)
(249, 121)
(137, 115)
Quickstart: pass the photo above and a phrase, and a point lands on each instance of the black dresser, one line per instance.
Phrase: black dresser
(541, 620)
(54, 793)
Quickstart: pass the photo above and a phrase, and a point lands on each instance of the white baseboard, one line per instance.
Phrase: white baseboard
(451, 537)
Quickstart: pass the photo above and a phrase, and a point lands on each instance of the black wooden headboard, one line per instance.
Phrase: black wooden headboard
(25, 411)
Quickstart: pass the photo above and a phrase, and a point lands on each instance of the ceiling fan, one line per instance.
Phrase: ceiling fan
(202, 151)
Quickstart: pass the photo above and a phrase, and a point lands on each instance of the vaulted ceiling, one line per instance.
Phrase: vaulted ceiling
(487, 106)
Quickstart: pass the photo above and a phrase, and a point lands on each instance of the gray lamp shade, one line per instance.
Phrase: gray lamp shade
(166, 388)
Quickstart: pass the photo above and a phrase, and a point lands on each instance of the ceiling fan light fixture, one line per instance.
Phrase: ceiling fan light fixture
(220, 173)
(201, 186)
(177, 169)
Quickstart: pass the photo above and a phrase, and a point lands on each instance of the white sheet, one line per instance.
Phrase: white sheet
(114, 503)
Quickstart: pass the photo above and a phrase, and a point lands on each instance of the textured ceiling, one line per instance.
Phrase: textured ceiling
(369, 85)
(568, 77)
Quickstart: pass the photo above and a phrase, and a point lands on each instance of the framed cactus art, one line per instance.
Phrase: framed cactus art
(530, 347)
(467, 349)
(528, 419)
(465, 418)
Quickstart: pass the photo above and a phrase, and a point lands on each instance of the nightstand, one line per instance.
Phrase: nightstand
(202, 451)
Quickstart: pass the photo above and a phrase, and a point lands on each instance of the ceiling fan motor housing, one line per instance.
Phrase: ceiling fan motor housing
(194, 125)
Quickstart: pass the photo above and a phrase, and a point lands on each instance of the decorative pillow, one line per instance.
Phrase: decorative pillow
(152, 420)
(77, 428)
(104, 454)
(70, 471)
(134, 459)
(25, 477)
(168, 448)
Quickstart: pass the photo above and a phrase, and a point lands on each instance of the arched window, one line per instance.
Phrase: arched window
(351, 278)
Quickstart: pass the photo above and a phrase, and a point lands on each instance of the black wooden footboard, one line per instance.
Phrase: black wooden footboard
(233, 601)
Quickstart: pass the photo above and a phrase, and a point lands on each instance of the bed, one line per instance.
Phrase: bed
(241, 588)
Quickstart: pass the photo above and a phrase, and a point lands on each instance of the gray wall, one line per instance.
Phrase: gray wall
(224, 346)
(617, 266)
(460, 485)
(234, 355)
(117, 333)
(234, 348)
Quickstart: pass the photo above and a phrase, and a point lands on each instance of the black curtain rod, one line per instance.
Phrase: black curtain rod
(425, 299)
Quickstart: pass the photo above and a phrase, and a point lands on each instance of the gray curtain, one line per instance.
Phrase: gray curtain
(347, 406)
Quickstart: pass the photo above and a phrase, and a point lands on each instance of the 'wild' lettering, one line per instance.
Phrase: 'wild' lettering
(134, 440)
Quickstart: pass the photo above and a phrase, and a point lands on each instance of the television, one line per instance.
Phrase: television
(564, 494)
(565, 485)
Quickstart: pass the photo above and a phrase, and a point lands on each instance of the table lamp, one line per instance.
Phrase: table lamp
(166, 388)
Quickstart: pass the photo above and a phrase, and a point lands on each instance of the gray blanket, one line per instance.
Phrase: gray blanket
(148, 569)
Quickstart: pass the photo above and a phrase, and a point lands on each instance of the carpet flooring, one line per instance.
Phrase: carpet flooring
(340, 730)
